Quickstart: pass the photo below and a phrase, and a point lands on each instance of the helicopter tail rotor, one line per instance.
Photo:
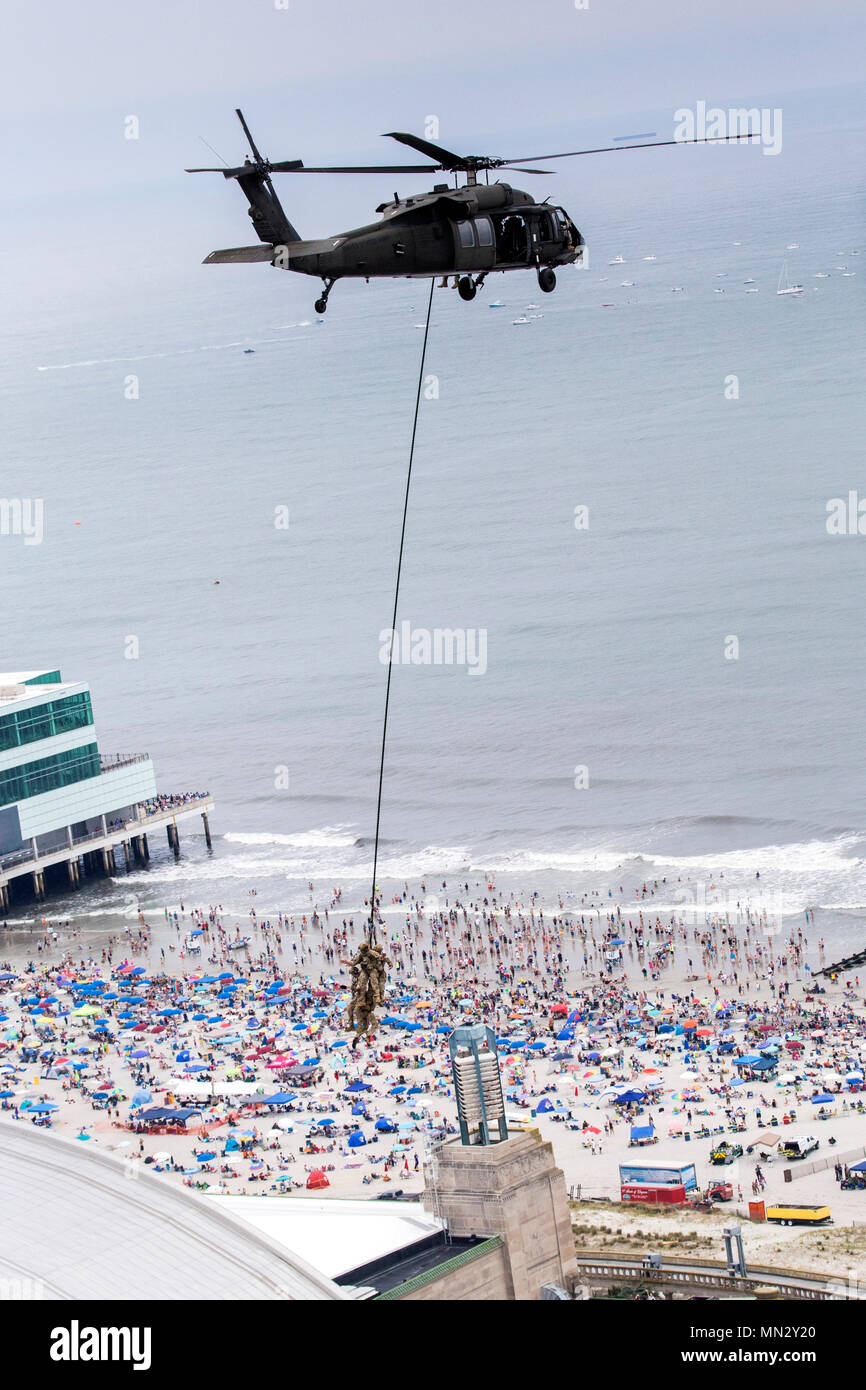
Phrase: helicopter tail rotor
(271, 224)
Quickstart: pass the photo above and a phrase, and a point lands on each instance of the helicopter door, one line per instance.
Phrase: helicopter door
(512, 240)
(473, 244)
(544, 238)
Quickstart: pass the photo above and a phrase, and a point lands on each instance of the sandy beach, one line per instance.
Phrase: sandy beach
(586, 999)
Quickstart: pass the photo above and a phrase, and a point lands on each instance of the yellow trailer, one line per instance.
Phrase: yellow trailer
(798, 1214)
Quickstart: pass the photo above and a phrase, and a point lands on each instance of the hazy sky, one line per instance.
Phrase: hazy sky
(326, 78)
(70, 57)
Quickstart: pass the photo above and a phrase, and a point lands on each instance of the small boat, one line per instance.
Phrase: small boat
(718, 290)
(738, 243)
(627, 284)
(532, 306)
(676, 289)
(649, 258)
(249, 349)
(846, 274)
(522, 319)
(750, 281)
(821, 275)
(753, 291)
(793, 246)
(784, 287)
(496, 304)
(617, 260)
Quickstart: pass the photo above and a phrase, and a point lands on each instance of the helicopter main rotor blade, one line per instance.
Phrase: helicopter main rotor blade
(644, 145)
(252, 144)
(287, 167)
(296, 167)
(446, 159)
(517, 169)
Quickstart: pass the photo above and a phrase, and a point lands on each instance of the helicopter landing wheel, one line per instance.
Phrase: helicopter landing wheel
(321, 304)
(546, 280)
(466, 288)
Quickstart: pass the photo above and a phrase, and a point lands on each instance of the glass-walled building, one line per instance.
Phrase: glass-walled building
(55, 786)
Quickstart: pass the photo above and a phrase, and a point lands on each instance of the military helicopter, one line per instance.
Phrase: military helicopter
(465, 232)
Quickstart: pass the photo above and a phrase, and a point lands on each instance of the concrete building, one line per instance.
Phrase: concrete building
(513, 1195)
(64, 802)
(81, 1221)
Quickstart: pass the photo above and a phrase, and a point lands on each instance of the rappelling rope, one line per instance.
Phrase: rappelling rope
(372, 929)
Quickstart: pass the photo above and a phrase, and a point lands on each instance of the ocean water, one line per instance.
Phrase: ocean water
(605, 647)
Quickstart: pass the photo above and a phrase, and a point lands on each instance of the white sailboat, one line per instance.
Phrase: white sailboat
(784, 287)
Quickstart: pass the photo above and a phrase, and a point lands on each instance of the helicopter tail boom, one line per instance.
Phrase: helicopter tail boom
(265, 209)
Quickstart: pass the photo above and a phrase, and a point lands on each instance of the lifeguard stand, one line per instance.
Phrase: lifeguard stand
(478, 1085)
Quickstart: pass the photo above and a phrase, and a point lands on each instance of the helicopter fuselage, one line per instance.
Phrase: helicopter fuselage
(472, 230)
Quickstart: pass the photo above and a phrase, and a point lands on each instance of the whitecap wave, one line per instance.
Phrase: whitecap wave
(327, 836)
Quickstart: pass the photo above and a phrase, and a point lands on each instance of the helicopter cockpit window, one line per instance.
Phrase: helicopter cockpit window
(465, 234)
(484, 231)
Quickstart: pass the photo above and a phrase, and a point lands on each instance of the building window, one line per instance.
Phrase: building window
(43, 721)
(484, 231)
(465, 234)
(49, 774)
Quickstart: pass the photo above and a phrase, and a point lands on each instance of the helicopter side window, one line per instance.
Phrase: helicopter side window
(484, 231)
(544, 231)
(465, 234)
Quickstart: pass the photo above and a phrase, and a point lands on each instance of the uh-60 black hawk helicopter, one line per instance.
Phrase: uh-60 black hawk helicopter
(466, 232)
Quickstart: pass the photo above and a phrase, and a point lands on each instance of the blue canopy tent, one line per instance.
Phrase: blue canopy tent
(642, 1134)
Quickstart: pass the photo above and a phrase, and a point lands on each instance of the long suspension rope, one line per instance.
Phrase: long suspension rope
(372, 932)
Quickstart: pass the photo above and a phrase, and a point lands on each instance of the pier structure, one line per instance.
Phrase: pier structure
(100, 852)
(62, 801)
